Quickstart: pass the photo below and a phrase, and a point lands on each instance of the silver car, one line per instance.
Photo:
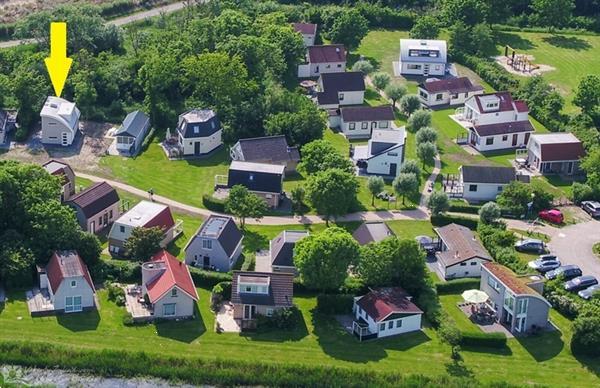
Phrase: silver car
(544, 266)
(591, 207)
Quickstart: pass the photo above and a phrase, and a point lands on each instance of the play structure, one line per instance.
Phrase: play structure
(519, 62)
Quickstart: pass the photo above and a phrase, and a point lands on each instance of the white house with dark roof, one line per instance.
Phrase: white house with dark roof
(267, 149)
(555, 153)
(216, 245)
(485, 183)
(359, 121)
(423, 57)
(96, 207)
(308, 32)
(199, 132)
(495, 121)
(373, 231)
(321, 59)
(461, 254)
(385, 312)
(66, 175)
(340, 89)
(448, 91)
(384, 153)
(131, 134)
(60, 121)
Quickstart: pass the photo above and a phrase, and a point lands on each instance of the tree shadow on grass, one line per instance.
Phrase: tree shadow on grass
(254, 241)
(85, 321)
(567, 42)
(515, 41)
(184, 330)
(503, 351)
(544, 346)
(592, 364)
(269, 334)
(352, 58)
(458, 369)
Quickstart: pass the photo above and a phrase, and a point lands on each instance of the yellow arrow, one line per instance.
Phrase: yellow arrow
(57, 63)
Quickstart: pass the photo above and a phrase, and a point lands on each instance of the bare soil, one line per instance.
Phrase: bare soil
(502, 61)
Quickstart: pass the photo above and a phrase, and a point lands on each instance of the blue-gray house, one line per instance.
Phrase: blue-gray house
(132, 132)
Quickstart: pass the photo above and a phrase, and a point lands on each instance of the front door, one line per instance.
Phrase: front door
(73, 304)
(393, 169)
(473, 138)
(93, 227)
(515, 137)
(373, 125)
(249, 311)
(569, 168)
(206, 262)
(65, 139)
(105, 220)
(527, 138)
(197, 148)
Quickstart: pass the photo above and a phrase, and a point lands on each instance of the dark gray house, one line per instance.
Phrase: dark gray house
(517, 300)
(267, 149)
(216, 245)
(264, 180)
(96, 207)
(370, 232)
(132, 132)
(281, 250)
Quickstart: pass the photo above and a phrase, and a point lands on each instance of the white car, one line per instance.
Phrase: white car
(544, 266)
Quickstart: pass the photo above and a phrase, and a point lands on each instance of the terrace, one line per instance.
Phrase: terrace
(136, 305)
(484, 317)
(39, 302)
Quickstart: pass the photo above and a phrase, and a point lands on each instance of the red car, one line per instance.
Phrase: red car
(554, 216)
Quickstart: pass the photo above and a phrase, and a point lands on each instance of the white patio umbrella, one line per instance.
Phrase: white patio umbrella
(475, 296)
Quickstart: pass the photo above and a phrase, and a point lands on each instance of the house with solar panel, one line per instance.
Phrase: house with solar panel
(131, 134)
(216, 245)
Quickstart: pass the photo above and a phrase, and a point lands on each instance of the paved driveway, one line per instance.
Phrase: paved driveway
(573, 245)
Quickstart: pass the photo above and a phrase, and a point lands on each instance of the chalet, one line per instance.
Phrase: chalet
(359, 121)
(375, 231)
(216, 245)
(60, 121)
(384, 153)
(461, 254)
(555, 153)
(260, 293)
(66, 175)
(264, 180)
(423, 57)
(308, 32)
(131, 134)
(199, 132)
(143, 215)
(96, 207)
(340, 89)
(281, 250)
(384, 312)
(517, 300)
(496, 121)
(323, 59)
(447, 92)
(267, 149)
(485, 183)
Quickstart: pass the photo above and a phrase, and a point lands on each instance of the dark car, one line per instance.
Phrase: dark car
(548, 257)
(589, 292)
(580, 282)
(530, 245)
(567, 271)
(591, 207)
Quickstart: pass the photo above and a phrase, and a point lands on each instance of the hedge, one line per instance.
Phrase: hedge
(121, 271)
(490, 71)
(480, 339)
(214, 204)
(208, 279)
(445, 219)
(335, 303)
(457, 286)
(464, 208)
(7, 31)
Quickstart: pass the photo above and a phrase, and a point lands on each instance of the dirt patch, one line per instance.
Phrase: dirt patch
(538, 68)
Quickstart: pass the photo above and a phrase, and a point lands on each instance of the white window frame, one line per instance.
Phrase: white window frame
(169, 305)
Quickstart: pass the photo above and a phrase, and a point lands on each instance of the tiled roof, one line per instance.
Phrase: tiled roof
(305, 28)
(461, 243)
(505, 103)
(280, 293)
(327, 53)
(504, 128)
(509, 279)
(176, 273)
(367, 113)
(66, 264)
(451, 85)
(272, 148)
(372, 232)
(380, 303)
(95, 198)
(488, 174)
(521, 106)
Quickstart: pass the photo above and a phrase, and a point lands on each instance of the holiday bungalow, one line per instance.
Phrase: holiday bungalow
(358, 122)
(96, 207)
(267, 149)
(555, 153)
(384, 153)
(308, 32)
(60, 121)
(66, 175)
(323, 59)
(423, 57)
(461, 254)
(485, 183)
(447, 92)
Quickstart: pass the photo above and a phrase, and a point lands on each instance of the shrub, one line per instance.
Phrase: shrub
(586, 336)
(486, 340)
(428, 301)
(354, 285)
(214, 204)
(563, 304)
(381, 80)
(489, 213)
(422, 119)
(581, 192)
(115, 293)
(148, 140)
(464, 208)
(249, 263)
(438, 203)
(363, 65)
(223, 289)
(444, 219)
(335, 303)
(456, 286)
(203, 278)
(114, 270)
(448, 332)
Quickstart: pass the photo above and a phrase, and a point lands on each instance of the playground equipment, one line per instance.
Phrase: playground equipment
(519, 62)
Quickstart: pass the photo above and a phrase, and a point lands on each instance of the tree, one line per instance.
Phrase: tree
(375, 184)
(409, 104)
(426, 152)
(438, 203)
(553, 13)
(298, 196)
(489, 213)
(395, 92)
(29, 88)
(426, 135)
(418, 120)
(405, 184)
(243, 204)
(586, 335)
(460, 40)
(322, 259)
(411, 166)
(300, 127)
(332, 192)
(591, 165)
(426, 27)
(381, 80)
(587, 96)
(469, 12)
(483, 38)
(349, 29)
(144, 242)
(363, 65)
(321, 155)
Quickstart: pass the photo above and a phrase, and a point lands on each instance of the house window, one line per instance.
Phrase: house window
(399, 323)
(110, 214)
(500, 188)
(439, 97)
(382, 327)
(384, 124)
(472, 187)
(463, 264)
(328, 67)
(207, 244)
(473, 263)
(122, 229)
(174, 293)
(100, 220)
(411, 66)
(269, 312)
(341, 96)
(339, 65)
(454, 96)
(251, 177)
(351, 126)
(364, 125)
(509, 302)
(489, 140)
(493, 283)
(169, 309)
(390, 324)
(522, 306)
(392, 154)
(504, 137)
(254, 289)
(73, 283)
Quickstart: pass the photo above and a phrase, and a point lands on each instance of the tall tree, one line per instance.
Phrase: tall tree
(243, 204)
(144, 242)
(349, 29)
(426, 152)
(332, 192)
(409, 104)
(405, 184)
(469, 12)
(321, 155)
(587, 96)
(553, 13)
(438, 202)
(426, 27)
(395, 92)
(375, 184)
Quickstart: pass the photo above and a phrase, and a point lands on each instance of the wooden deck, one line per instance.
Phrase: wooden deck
(39, 302)
(138, 310)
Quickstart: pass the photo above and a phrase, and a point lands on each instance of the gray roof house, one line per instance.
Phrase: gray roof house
(198, 132)
(216, 245)
(66, 175)
(267, 149)
(485, 183)
(132, 132)
(461, 255)
(517, 300)
(264, 180)
(384, 153)
(370, 232)
(96, 207)
(281, 250)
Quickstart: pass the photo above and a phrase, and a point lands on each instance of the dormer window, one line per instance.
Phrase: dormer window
(490, 105)
(254, 289)
(253, 284)
(174, 293)
(207, 244)
(73, 283)
(196, 129)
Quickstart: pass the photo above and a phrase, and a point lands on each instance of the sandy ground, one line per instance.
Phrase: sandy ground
(502, 61)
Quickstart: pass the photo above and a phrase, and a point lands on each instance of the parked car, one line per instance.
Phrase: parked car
(544, 266)
(554, 216)
(589, 292)
(580, 282)
(591, 207)
(547, 257)
(530, 245)
(567, 271)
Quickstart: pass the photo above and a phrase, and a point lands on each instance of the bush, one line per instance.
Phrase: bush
(464, 208)
(485, 340)
(563, 304)
(444, 219)
(581, 192)
(115, 293)
(354, 285)
(114, 270)
(214, 204)
(148, 140)
(335, 303)
(223, 289)
(428, 301)
(448, 332)
(203, 278)
(385, 17)
(456, 286)
(285, 318)
(586, 336)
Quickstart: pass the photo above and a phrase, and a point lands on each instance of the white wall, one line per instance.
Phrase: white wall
(184, 305)
(362, 129)
(380, 165)
(434, 68)
(352, 98)
(207, 144)
(304, 71)
(485, 191)
(501, 142)
(471, 269)
(430, 99)
(52, 131)
(410, 323)
(309, 39)
(333, 67)
(82, 289)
